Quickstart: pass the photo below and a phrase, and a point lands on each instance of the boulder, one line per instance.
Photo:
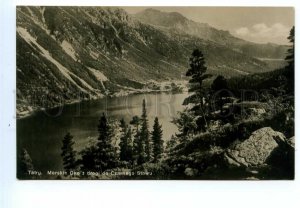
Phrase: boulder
(255, 150)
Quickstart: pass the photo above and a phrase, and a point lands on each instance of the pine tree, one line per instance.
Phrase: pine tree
(171, 143)
(291, 51)
(68, 154)
(130, 145)
(290, 68)
(136, 142)
(24, 165)
(197, 72)
(125, 142)
(123, 124)
(186, 124)
(157, 140)
(137, 148)
(144, 137)
(106, 156)
(89, 158)
(135, 121)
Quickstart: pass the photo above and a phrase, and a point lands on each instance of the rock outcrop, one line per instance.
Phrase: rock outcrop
(256, 150)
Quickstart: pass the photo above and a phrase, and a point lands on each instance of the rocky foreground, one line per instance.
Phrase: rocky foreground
(264, 153)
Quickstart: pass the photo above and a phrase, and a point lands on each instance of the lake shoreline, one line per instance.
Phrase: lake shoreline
(121, 93)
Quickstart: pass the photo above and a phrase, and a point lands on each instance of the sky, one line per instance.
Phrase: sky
(256, 24)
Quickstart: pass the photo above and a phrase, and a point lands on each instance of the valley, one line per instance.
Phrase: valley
(66, 54)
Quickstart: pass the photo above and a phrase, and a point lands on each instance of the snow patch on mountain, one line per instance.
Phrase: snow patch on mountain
(68, 48)
(31, 40)
(98, 74)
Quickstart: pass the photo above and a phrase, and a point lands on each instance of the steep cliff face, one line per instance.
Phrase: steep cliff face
(71, 53)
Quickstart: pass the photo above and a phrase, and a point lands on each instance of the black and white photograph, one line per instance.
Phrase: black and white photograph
(155, 93)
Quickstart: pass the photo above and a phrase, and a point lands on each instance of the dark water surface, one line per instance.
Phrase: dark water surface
(41, 134)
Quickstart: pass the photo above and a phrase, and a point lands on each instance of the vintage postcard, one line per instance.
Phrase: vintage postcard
(159, 93)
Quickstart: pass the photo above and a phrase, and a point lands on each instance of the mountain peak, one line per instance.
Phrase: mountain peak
(156, 17)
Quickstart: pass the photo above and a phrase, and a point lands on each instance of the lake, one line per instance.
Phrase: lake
(41, 134)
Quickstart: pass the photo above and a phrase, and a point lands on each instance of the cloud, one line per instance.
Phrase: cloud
(262, 33)
(242, 31)
(261, 28)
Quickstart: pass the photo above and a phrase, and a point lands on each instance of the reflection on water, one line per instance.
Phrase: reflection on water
(41, 133)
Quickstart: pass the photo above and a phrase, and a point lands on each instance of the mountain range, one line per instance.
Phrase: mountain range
(66, 54)
(176, 23)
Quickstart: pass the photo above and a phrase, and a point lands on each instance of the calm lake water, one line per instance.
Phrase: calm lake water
(41, 134)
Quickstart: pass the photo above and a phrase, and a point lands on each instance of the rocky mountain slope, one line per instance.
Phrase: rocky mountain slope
(66, 54)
